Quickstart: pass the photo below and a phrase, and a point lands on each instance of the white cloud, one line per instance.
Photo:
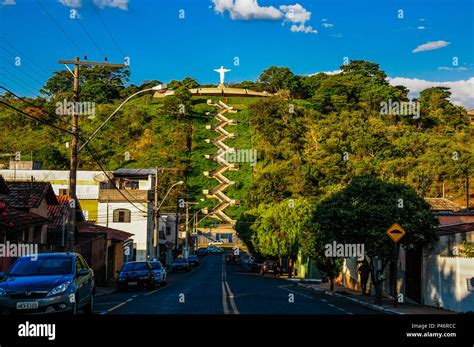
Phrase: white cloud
(251, 10)
(448, 68)
(8, 2)
(431, 45)
(71, 3)
(328, 25)
(303, 29)
(462, 91)
(295, 13)
(246, 10)
(421, 27)
(120, 4)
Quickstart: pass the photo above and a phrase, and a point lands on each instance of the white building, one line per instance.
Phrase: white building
(130, 207)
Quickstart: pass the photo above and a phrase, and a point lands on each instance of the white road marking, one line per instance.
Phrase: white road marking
(324, 300)
(331, 305)
(149, 293)
(116, 306)
(292, 291)
(341, 309)
(227, 293)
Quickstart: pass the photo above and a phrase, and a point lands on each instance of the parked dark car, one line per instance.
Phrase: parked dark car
(47, 283)
(253, 265)
(215, 250)
(231, 259)
(193, 260)
(202, 251)
(181, 264)
(136, 274)
(269, 266)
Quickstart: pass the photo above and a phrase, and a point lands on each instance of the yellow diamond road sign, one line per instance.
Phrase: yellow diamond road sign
(396, 232)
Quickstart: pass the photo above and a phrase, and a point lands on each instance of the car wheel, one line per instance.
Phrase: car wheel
(89, 308)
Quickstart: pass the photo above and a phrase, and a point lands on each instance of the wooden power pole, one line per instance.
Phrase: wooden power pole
(71, 226)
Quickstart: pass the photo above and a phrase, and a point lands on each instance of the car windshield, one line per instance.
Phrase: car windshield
(135, 266)
(180, 260)
(156, 266)
(42, 266)
(192, 257)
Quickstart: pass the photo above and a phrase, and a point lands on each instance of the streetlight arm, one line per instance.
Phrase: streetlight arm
(113, 113)
(169, 190)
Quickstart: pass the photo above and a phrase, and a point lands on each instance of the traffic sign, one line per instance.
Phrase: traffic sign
(396, 232)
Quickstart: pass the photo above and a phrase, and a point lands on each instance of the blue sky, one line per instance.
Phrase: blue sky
(306, 35)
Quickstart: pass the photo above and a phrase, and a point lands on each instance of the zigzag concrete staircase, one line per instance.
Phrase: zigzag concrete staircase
(220, 156)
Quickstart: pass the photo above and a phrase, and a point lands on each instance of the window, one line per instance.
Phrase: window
(63, 191)
(122, 215)
(168, 230)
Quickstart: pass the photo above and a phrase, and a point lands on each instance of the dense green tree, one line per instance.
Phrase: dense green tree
(362, 212)
(98, 84)
(279, 228)
(278, 78)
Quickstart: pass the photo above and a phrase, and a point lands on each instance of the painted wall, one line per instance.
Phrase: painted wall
(138, 223)
(448, 279)
(87, 186)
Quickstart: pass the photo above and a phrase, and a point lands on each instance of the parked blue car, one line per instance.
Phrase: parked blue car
(47, 283)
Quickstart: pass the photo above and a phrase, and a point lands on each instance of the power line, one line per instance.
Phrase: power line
(23, 72)
(35, 118)
(36, 106)
(107, 29)
(23, 55)
(87, 33)
(58, 25)
(17, 80)
(91, 151)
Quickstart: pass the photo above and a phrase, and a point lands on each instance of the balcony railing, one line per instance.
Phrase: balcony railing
(134, 195)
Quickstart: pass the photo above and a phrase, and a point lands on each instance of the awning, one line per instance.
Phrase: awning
(112, 234)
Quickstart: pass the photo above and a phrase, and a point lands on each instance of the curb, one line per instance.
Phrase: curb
(363, 303)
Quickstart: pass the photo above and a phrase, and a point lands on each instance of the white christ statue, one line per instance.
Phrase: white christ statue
(221, 72)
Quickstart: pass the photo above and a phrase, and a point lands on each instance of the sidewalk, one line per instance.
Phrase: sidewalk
(368, 300)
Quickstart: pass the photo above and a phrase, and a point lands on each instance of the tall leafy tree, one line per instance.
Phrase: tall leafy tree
(362, 212)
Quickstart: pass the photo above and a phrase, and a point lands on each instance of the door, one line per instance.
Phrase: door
(413, 278)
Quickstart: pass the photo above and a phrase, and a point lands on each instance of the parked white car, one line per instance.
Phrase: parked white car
(160, 273)
(213, 243)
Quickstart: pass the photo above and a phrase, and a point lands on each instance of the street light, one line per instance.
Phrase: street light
(157, 215)
(155, 88)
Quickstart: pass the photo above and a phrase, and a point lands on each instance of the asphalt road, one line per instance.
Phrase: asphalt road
(216, 288)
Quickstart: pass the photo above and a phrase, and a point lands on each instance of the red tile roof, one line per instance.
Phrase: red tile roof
(442, 204)
(26, 195)
(112, 234)
(19, 220)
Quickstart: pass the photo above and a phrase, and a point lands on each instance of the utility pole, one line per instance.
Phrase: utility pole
(187, 229)
(71, 226)
(467, 193)
(156, 217)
